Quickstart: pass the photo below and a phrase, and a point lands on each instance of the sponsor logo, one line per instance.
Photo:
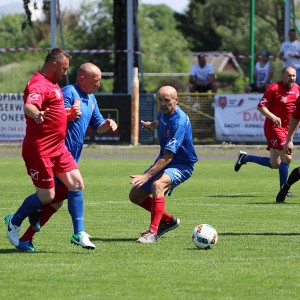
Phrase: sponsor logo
(47, 179)
(33, 97)
(34, 174)
(172, 142)
(177, 174)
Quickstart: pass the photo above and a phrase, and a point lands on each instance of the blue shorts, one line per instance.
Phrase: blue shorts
(177, 172)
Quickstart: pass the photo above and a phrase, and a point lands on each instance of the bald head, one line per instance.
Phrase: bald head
(87, 69)
(167, 96)
(88, 77)
(168, 90)
(288, 76)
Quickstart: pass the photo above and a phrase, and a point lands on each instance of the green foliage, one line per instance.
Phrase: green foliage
(166, 38)
(27, 66)
(165, 48)
(256, 256)
(229, 82)
(239, 85)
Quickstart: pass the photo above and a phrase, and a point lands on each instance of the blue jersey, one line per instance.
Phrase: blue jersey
(175, 135)
(90, 116)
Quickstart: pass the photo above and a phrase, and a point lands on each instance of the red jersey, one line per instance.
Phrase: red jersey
(280, 100)
(47, 138)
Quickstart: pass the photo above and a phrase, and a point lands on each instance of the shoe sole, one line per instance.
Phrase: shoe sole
(171, 228)
(84, 247)
(152, 242)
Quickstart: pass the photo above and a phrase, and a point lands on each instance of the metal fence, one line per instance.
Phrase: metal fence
(199, 108)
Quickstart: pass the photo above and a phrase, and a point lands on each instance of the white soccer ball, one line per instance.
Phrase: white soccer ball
(204, 236)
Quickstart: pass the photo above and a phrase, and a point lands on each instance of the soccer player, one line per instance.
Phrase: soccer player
(174, 165)
(44, 151)
(277, 105)
(295, 174)
(82, 110)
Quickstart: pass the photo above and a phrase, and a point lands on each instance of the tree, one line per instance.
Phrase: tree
(166, 50)
(224, 25)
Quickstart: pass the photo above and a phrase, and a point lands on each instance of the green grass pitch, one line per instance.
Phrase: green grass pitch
(257, 255)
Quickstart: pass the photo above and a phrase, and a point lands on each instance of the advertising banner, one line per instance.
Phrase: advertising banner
(12, 119)
(238, 120)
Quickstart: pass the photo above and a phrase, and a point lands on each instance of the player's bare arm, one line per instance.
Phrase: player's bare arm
(107, 125)
(149, 126)
(139, 180)
(33, 112)
(265, 111)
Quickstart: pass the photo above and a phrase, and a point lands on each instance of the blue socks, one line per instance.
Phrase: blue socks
(30, 205)
(283, 173)
(264, 161)
(76, 210)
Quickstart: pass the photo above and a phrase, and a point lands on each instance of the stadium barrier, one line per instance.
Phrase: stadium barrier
(215, 118)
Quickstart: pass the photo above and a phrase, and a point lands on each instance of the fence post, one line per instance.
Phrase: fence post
(135, 108)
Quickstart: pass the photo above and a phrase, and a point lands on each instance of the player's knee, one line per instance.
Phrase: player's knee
(136, 196)
(274, 165)
(132, 197)
(46, 197)
(157, 187)
(287, 159)
(78, 184)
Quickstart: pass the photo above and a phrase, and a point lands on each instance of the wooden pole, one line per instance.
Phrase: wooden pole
(135, 106)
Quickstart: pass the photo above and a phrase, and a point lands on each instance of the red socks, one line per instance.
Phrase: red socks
(147, 205)
(157, 210)
(61, 193)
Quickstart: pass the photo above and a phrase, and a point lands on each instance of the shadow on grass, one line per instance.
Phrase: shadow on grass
(260, 233)
(72, 251)
(273, 202)
(232, 196)
(10, 251)
(114, 239)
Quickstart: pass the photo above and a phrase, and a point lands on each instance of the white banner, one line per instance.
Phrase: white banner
(238, 120)
(12, 119)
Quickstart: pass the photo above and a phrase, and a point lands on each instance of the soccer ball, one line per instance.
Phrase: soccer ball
(204, 236)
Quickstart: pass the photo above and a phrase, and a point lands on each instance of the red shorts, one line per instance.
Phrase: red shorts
(276, 137)
(43, 169)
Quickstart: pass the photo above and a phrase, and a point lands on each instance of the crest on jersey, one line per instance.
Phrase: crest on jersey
(57, 94)
(274, 143)
(283, 99)
(34, 174)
